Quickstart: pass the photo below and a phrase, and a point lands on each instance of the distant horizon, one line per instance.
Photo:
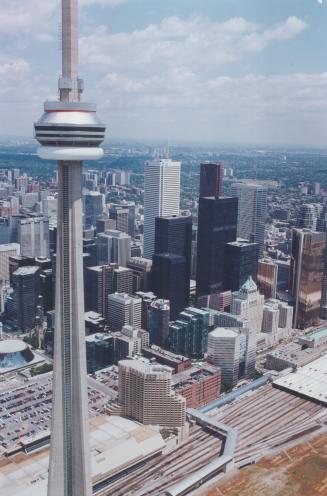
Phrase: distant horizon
(180, 143)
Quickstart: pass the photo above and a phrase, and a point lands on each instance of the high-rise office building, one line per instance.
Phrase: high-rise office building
(252, 212)
(50, 207)
(234, 351)
(147, 299)
(308, 216)
(32, 234)
(113, 247)
(141, 268)
(104, 224)
(146, 395)
(100, 351)
(7, 251)
(46, 287)
(270, 318)
(285, 315)
(17, 261)
(267, 277)
(194, 249)
(128, 342)
(159, 322)
(124, 309)
(174, 235)
(161, 196)
(103, 280)
(124, 215)
(120, 216)
(217, 225)
(25, 296)
(169, 281)
(188, 334)
(306, 278)
(211, 180)
(240, 262)
(93, 207)
(248, 304)
(322, 220)
(69, 132)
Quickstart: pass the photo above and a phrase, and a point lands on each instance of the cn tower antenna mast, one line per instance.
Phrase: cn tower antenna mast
(69, 82)
(69, 132)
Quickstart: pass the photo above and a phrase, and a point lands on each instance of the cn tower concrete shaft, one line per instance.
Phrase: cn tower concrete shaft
(69, 471)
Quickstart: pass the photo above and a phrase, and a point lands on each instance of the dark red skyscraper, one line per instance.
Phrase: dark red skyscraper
(211, 180)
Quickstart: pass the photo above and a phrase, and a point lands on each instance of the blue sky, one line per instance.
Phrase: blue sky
(238, 71)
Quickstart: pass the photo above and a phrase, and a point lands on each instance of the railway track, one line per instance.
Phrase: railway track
(153, 477)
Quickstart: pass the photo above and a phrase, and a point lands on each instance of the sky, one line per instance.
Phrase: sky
(209, 71)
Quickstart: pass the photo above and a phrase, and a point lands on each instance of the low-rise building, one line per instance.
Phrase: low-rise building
(177, 363)
(199, 384)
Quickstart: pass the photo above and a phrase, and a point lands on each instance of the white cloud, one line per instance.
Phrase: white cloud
(29, 17)
(282, 32)
(275, 108)
(13, 66)
(174, 73)
(177, 79)
(196, 43)
(38, 19)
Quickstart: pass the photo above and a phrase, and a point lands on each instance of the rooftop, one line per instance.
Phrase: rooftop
(116, 442)
(160, 352)
(309, 381)
(146, 368)
(12, 346)
(194, 374)
(10, 246)
(25, 271)
(249, 285)
(223, 332)
(316, 335)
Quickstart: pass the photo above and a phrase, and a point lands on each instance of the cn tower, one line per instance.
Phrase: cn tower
(69, 132)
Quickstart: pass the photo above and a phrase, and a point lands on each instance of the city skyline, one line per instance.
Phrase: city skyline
(256, 68)
(163, 311)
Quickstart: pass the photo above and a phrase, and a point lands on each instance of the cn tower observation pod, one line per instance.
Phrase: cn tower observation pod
(69, 131)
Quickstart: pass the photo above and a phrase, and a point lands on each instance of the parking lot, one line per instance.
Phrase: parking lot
(25, 409)
(108, 377)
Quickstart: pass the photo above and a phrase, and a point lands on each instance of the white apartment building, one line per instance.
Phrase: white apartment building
(161, 196)
(146, 395)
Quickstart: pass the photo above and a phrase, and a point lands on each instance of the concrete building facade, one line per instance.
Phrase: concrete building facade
(161, 197)
(146, 395)
(248, 304)
(124, 309)
(252, 212)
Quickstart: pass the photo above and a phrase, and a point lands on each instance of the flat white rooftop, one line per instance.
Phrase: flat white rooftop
(116, 443)
(309, 381)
